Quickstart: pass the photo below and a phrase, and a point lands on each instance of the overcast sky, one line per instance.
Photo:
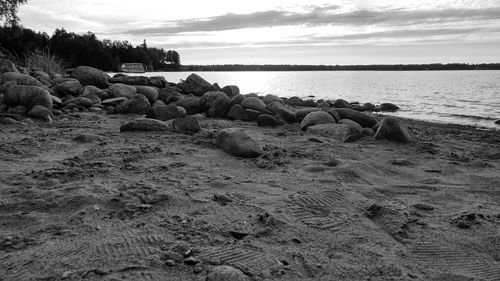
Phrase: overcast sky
(287, 31)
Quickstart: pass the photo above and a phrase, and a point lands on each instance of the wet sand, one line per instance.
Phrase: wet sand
(135, 205)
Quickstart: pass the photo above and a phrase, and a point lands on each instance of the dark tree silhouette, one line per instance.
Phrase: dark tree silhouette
(8, 11)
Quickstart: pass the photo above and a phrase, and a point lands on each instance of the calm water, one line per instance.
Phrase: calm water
(463, 97)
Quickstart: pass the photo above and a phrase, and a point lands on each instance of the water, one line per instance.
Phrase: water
(460, 97)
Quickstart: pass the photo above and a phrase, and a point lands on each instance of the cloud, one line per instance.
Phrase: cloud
(318, 16)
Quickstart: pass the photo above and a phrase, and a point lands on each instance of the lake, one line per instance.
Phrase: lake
(460, 97)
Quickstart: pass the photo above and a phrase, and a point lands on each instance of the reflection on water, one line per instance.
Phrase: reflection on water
(463, 97)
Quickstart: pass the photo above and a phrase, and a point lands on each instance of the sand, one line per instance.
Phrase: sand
(134, 205)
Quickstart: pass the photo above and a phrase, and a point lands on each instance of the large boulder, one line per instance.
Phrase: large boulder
(237, 99)
(352, 134)
(315, 118)
(271, 98)
(122, 90)
(90, 76)
(215, 103)
(68, 88)
(158, 81)
(238, 112)
(284, 111)
(151, 93)
(166, 112)
(130, 80)
(145, 124)
(19, 78)
(231, 91)
(254, 103)
(187, 125)
(340, 103)
(27, 96)
(191, 104)
(390, 107)
(166, 93)
(139, 104)
(393, 129)
(196, 85)
(236, 142)
(363, 119)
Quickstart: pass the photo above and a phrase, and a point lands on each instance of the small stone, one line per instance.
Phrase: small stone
(197, 269)
(170, 263)
(191, 261)
(226, 273)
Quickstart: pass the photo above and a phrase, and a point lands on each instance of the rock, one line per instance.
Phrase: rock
(208, 100)
(158, 81)
(150, 93)
(27, 96)
(217, 87)
(41, 112)
(335, 114)
(92, 91)
(330, 130)
(351, 123)
(19, 79)
(231, 91)
(324, 104)
(166, 112)
(226, 273)
(191, 261)
(237, 99)
(196, 85)
(251, 95)
(139, 104)
(387, 107)
(187, 125)
(315, 118)
(79, 101)
(191, 104)
(238, 112)
(393, 129)
(173, 97)
(236, 142)
(121, 78)
(20, 110)
(285, 112)
(158, 103)
(368, 132)
(310, 103)
(340, 103)
(267, 120)
(497, 122)
(8, 121)
(220, 107)
(68, 88)
(56, 100)
(254, 103)
(113, 101)
(302, 112)
(271, 98)
(122, 90)
(93, 98)
(165, 93)
(361, 118)
(90, 76)
(352, 134)
(295, 101)
(145, 124)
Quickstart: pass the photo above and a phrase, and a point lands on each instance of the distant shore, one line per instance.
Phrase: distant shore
(373, 67)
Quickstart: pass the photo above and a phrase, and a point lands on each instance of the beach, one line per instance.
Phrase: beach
(81, 200)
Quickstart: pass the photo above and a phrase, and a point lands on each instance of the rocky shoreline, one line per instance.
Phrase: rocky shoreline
(102, 180)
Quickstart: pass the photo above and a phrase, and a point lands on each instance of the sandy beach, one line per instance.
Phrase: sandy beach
(80, 200)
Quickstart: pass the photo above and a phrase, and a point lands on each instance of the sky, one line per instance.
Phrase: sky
(287, 31)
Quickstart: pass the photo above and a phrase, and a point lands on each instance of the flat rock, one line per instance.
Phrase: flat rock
(238, 143)
(113, 101)
(145, 124)
(166, 112)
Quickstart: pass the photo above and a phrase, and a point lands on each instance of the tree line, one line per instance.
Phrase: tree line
(86, 49)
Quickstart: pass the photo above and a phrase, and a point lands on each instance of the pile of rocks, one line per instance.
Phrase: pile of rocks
(37, 94)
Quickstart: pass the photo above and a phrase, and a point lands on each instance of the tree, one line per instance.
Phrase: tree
(8, 11)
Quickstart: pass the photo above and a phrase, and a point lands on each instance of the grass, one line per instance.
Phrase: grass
(42, 59)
